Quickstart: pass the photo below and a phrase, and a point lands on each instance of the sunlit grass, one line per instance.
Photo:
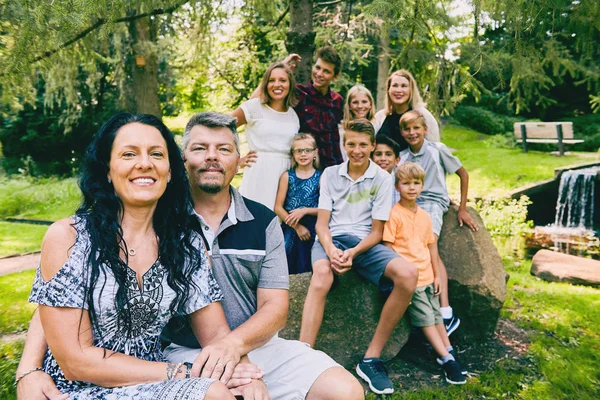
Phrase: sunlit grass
(42, 199)
(15, 310)
(20, 238)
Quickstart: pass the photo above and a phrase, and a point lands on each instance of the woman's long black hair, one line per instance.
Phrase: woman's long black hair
(102, 209)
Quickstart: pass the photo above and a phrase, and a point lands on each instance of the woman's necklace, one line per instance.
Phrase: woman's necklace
(131, 250)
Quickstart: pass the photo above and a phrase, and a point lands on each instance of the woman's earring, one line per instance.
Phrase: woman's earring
(109, 180)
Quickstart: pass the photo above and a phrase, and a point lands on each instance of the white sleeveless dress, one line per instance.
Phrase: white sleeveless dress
(270, 134)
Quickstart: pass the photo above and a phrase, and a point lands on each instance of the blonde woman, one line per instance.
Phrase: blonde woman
(402, 96)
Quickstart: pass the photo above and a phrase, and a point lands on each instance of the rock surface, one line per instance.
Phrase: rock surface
(476, 276)
(477, 292)
(351, 315)
(552, 266)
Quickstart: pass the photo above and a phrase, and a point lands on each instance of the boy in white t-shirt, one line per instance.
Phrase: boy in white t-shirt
(355, 202)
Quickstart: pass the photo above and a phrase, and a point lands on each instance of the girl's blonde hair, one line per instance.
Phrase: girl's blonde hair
(305, 136)
(290, 99)
(414, 100)
(354, 90)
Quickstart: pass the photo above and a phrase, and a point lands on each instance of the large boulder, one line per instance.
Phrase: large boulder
(476, 275)
(477, 292)
(558, 267)
(351, 315)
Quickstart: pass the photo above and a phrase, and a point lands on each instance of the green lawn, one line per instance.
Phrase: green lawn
(20, 238)
(495, 171)
(43, 199)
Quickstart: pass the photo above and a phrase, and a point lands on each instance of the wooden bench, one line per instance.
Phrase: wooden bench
(545, 132)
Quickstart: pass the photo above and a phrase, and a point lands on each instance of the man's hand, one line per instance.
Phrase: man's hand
(292, 60)
(248, 159)
(303, 232)
(40, 387)
(243, 374)
(217, 360)
(255, 390)
(465, 218)
(295, 216)
(437, 286)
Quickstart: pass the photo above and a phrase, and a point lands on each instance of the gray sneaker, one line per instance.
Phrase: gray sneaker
(375, 374)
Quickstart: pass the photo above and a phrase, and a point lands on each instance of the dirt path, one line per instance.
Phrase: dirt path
(9, 265)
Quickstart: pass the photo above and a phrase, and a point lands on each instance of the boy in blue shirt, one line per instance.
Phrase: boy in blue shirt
(437, 161)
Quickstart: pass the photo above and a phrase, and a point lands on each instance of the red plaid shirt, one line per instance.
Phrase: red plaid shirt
(320, 115)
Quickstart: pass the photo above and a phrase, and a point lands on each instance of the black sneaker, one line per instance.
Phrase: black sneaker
(374, 373)
(451, 324)
(453, 374)
(463, 370)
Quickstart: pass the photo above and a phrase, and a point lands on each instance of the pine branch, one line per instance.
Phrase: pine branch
(102, 21)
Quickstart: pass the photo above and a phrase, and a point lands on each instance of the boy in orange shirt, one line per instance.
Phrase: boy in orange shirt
(409, 232)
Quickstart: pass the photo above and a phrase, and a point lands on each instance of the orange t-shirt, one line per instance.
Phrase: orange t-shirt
(410, 233)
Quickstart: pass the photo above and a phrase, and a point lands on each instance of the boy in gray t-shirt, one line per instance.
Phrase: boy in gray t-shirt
(355, 202)
(437, 161)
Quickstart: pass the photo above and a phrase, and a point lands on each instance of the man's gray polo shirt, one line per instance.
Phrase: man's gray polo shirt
(247, 253)
(437, 161)
(355, 204)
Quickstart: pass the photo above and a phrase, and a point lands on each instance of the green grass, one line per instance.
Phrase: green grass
(15, 310)
(20, 238)
(10, 352)
(493, 171)
(43, 199)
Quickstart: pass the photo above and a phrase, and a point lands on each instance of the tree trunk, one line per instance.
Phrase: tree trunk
(383, 68)
(144, 67)
(301, 38)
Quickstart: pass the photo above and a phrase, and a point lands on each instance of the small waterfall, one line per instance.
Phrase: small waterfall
(575, 202)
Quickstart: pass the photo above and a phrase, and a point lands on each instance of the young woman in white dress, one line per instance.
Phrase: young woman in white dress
(271, 123)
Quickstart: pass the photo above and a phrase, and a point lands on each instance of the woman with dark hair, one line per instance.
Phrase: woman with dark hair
(112, 275)
(271, 123)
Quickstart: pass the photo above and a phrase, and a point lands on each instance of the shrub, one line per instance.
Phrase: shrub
(480, 119)
(505, 217)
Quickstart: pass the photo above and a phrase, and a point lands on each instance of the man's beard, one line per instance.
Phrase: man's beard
(211, 188)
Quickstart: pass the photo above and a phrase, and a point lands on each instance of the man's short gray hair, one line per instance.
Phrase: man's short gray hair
(211, 119)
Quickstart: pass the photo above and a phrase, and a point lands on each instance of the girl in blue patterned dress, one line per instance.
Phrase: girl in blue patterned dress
(111, 276)
(297, 202)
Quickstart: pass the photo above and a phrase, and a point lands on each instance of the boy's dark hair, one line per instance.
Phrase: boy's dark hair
(360, 125)
(389, 142)
(328, 54)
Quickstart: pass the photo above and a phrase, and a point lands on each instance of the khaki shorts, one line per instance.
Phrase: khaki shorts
(424, 309)
(291, 367)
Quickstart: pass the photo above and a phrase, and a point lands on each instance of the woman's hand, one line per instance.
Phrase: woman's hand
(295, 216)
(217, 361)
(303, 232)
(248, 159)
(41, 387)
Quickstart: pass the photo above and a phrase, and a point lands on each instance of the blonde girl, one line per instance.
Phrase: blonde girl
(359, 104)
(297, 201)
